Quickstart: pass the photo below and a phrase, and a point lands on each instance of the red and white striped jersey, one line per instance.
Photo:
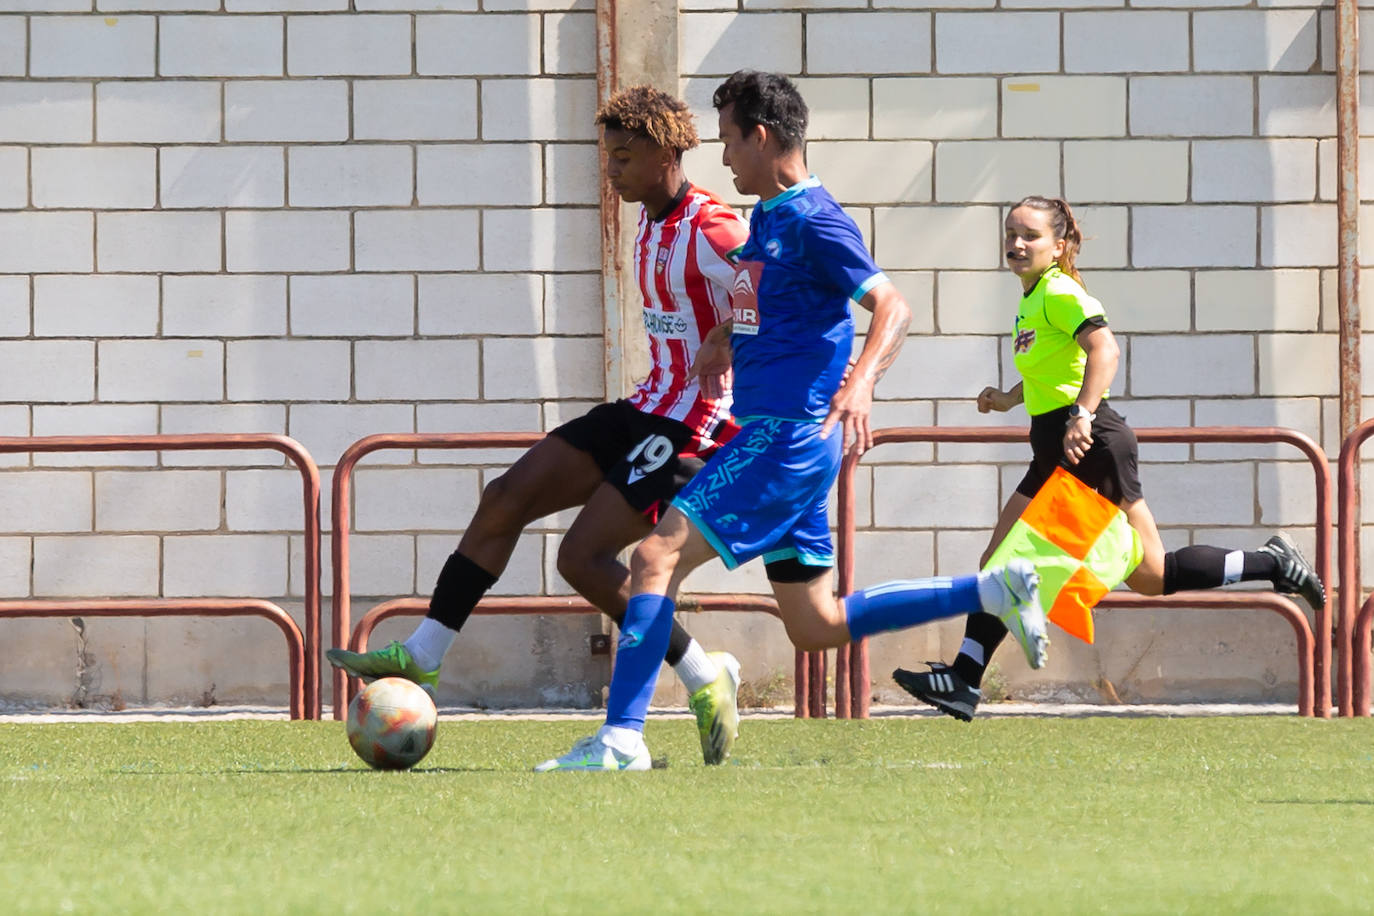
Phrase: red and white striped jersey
(685, 276)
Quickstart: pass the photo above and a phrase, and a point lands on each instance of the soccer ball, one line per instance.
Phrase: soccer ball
(391, 724)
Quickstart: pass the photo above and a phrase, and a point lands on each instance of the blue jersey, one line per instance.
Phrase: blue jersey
(793, 335)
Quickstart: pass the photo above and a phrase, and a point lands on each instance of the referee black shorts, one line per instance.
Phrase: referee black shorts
(1111, 466)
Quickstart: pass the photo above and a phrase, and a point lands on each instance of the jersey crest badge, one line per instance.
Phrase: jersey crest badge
(1024, 340)
(661, 262)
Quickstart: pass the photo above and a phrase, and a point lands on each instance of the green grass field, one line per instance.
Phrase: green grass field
(901, 815)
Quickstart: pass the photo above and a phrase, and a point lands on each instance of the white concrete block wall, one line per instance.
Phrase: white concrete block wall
(327, 219)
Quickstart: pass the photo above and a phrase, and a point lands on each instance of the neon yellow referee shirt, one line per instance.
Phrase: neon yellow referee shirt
(1046, 354)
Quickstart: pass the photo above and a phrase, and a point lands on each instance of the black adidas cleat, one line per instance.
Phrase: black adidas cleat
(1293, 574)
(942, 688)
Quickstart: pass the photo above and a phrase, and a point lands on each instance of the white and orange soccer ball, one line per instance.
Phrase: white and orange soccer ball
(391, 723)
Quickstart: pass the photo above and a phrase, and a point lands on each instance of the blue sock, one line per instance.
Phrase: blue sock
(643, 640)
(908, 602)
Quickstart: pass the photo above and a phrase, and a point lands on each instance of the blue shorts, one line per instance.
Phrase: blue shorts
(765, 493)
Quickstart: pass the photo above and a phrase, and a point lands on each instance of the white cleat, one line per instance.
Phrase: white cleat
(595, 755)
(1022, 614)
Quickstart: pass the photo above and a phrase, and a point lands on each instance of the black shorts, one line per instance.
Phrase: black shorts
(646, 457)
(1111, 466)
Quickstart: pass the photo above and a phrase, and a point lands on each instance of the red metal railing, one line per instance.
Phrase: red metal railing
(342, 632)
(305, 678)
(852, 678)
(1352, 630)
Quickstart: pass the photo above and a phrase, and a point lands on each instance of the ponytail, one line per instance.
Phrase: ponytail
(1065, 227)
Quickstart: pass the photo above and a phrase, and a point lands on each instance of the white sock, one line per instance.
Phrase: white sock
(625, 740)
(993, 592)
(428, 644)
(696, 668)
(973, 649)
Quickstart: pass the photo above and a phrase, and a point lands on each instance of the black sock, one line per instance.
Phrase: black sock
(462, 583)
(988, 632)
(1202, 566)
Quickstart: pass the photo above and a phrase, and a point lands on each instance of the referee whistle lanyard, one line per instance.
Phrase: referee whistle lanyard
(1081, 545)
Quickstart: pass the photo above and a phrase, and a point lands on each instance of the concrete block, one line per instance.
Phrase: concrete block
(161, 370)
(1143, 300)
(866, 171)
(1250, 170)
(499, 174)
(353, 305)
(222, 176)
(1126, 171)
(1328, 39)
(348, 44)
(1210, 236)
(1192, 106)
(14, 177)
(92, 46)
(934, 496)
(1260, 300)
(941, 367)
(1145, 412)
(45, 242)
(542, 239)
(161, 501)
(415, 370)
(1255, 40)
(173, 111)
(996, 42)
(14, 45)
(1301, 414)
(41, 502)
(1291, 235)
(1197, 493)
(165, 240)
(415, 109)
(918, 289)
(94, 567)
(223, 305)
(250, 565)
(1330, 302)
(482, 44)
(95, 305)
(1327, 173)
(483, 304)
(715, 43)
(327, 429)
(515, 368)
(1204, 365)
(222, 418)
(14, 306)
(477, 417)
(1296, 106)
(16, 560)
(891, 42)
(161, 6)
(1064, 106)
(46, 112)
(413, 499)
(838, 107)
(963, 411)
(1298, 365)
(351, 176)
(94, 177)
(396, 240)
(539, 109)
(572, 173)
(988, 171)
(220, 46)
(264, 499)
(1125, 41)
(287, 370)
(47, 370)
(287, 6)
(936, 238)
(381, 565)
(704, 166)
(570, 43)
(90, 420)
(285, 110)
(975, 302)
(886, 556)
(1105, 234)
(291, 240)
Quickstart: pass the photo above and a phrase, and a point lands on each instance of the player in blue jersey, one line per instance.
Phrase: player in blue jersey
(764, 494)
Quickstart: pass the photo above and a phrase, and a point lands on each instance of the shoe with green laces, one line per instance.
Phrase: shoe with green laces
(393, 661)
(717, 711)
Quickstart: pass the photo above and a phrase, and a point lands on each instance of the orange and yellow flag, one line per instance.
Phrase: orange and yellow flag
(1080, 543)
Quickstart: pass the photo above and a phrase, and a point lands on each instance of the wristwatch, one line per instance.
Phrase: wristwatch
(1077, 410)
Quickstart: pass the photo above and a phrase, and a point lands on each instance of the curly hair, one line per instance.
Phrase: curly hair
(651, 113)
(770, 99)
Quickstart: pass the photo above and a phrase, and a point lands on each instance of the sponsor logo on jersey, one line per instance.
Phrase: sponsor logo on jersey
(1024, 340)
(773, 248)
(664, 324)
(744, 298)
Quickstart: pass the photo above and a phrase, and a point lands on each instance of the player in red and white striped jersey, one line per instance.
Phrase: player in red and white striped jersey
(622, 461)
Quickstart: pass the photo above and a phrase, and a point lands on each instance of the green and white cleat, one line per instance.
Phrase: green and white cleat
(393, 661)
(1022, 613)
(593, 755)
(717, 711)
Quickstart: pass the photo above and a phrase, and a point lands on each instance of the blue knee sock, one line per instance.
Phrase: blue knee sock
(908, 602)
(643, 640)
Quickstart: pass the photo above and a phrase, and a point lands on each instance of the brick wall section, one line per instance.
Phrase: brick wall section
(329, 218)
